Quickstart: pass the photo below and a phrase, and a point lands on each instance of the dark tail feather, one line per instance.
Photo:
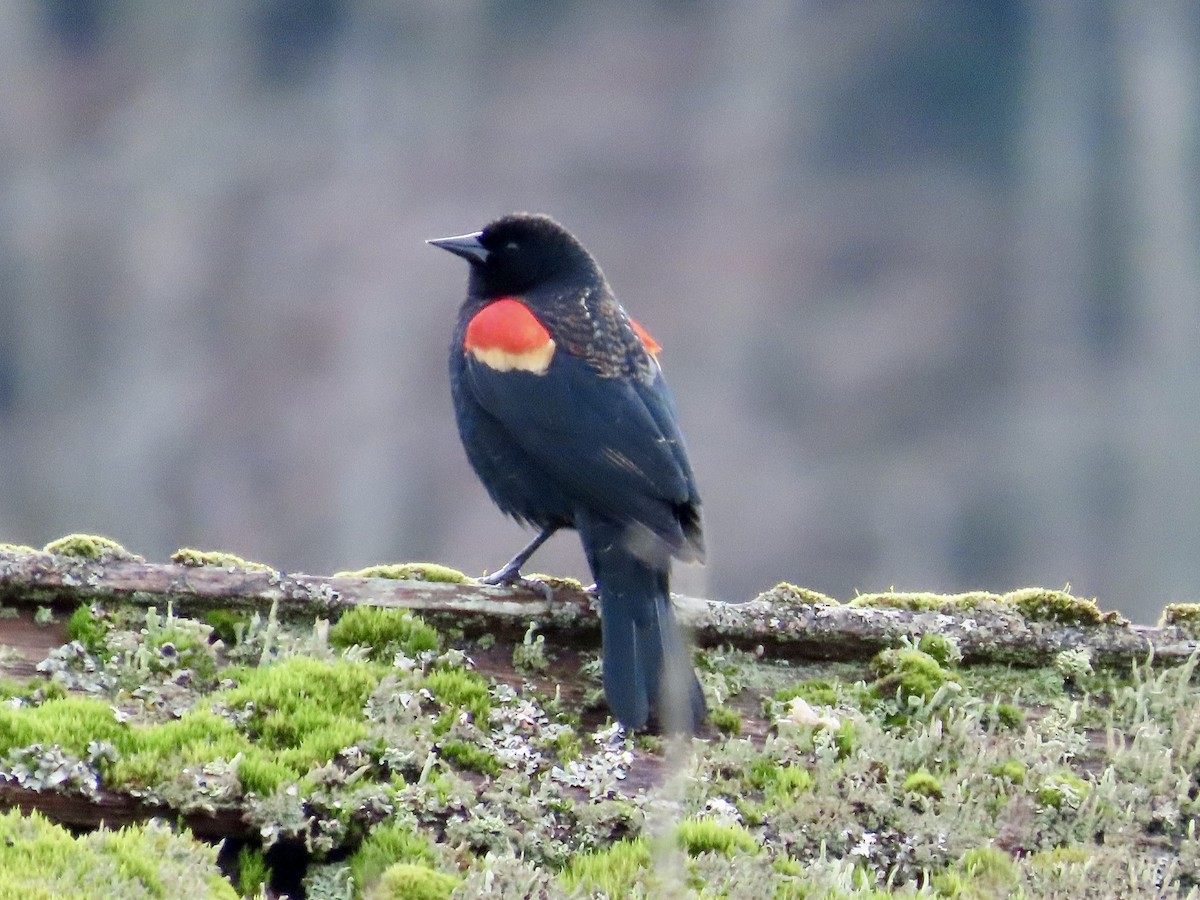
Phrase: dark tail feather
(647, 665)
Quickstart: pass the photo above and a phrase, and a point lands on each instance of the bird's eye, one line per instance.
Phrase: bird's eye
(511, 245)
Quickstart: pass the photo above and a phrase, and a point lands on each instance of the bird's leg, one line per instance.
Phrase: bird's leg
(510, 572)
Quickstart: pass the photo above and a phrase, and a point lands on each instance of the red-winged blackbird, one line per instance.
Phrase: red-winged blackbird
(565, 417)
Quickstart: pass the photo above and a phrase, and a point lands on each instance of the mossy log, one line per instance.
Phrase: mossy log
(984, 744)
(1027, 627)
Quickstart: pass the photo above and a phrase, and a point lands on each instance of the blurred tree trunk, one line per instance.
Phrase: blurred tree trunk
(1160, 415)
(1107, 336)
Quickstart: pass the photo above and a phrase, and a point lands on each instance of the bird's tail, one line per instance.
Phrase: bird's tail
(647, 665)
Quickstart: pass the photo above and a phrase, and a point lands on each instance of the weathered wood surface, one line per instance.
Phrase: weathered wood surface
(783, 622)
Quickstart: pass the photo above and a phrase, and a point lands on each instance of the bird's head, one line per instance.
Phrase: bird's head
(517, 253)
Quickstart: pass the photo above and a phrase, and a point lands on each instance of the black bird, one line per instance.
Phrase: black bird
(565, 417)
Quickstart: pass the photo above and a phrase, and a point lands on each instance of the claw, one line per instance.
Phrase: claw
(506, 576)
(509, 574)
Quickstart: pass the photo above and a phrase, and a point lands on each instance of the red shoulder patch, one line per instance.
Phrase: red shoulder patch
(508, 325)
(506, 335)
(652, 346)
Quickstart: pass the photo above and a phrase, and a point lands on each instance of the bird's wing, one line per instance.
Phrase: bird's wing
(613, 442)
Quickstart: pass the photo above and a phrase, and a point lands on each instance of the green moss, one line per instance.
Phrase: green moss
(227, 625)
(261, 773)
(40, 859)
(698, 836)
(923, 782)
(780, 783)
(7, 549)
(466, 755)
(458, 689)
(1044, 605)
(305, 710)
(253, 873)
(911, 671)
(614, 871)
(1059, 857)
(154, 754)
(816, 692)
(90, 547)
(409, 881)
(27, 690)
(940, 647)
(412, 571)
(725, 720)
(1011, 770)
(790, 593)
(981, 874)
(1184, 616)
(555, 582)
(186, 556)
(84, 626)
(385, 631)
(70, 722)
(384, 846)
(567, 745)
(917, 601)
(1004, 715)
(301, 685)
(846, 739)
(1062, 788)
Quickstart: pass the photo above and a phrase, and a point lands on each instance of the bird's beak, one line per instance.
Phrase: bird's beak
(465, 245)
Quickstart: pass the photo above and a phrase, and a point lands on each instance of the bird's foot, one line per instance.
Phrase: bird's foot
(510, 576)
(505, 576)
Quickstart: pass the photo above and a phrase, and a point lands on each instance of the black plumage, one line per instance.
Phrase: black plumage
(565, 416)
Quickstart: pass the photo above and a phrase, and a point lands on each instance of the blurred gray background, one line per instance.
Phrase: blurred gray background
(925, 274)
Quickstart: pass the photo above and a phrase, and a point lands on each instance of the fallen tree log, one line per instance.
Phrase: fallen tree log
(1027, 627)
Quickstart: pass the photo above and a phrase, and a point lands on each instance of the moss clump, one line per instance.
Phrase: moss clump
(725, 720)
(90, 547)
(917, 601)
(910, 671)
(386, 845)
(466, 755)
(70, 722)
(153, 755)
(780, 783)
(305, 710)
(923, 782)
(816, 692)
(457, 689)
(941, 648)
(187, 556)
(785, 592)
(298, 685)
(90, 630)
(7, 549)
(698, 836)
(1062, 788)
(41, 860)
(1044, 605)
(412, 571)
(227, 625)
(1184, 616)
(981, 873)
(253, 873)
(1003, 715)
(385, 631)
(613, 872)
(410, 881)
(1010, 770)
